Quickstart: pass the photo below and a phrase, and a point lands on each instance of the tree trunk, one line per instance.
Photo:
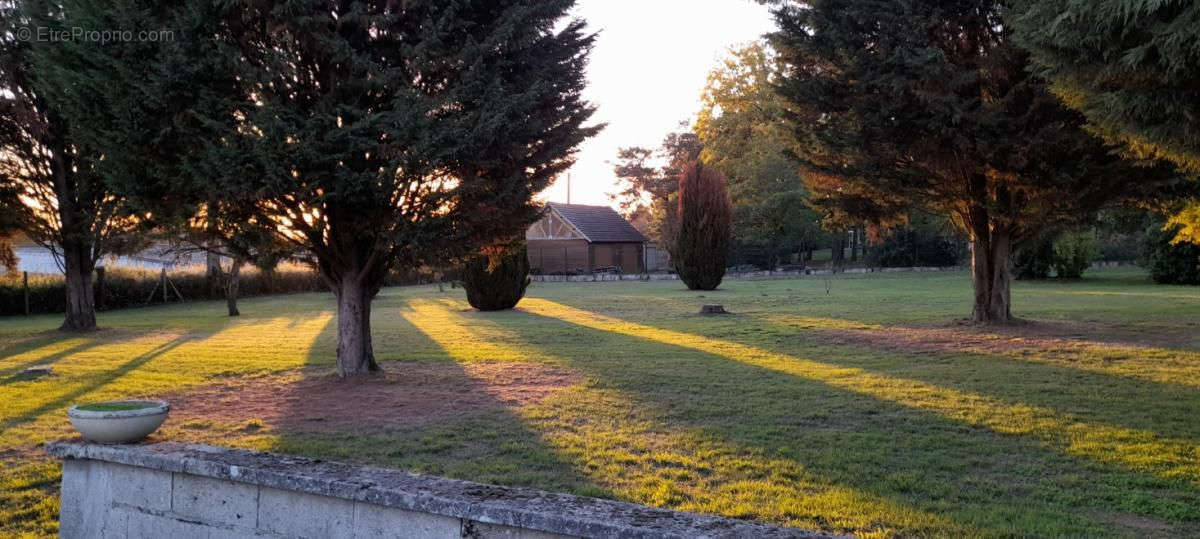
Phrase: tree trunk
(231, 288)
(1001, 300)
(212, 276)
(355, 355)
(854, 240)
(990, 253)
(81, 300)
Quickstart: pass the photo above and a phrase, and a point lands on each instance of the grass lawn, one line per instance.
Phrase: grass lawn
(860, 407)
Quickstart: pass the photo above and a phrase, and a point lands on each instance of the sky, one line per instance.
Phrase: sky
(646, 73)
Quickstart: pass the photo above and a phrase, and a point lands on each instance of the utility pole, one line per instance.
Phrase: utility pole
(568, 188)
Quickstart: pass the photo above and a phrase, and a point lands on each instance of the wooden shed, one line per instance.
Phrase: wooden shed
(574, 238)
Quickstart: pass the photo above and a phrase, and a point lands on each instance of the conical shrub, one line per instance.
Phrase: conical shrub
(496, 279)
(702, 234)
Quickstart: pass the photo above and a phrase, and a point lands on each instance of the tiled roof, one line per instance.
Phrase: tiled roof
(599, 223)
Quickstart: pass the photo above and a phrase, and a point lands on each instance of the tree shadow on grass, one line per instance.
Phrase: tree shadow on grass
(1167, 409)
(1013, 373)
(11, 374)
(96, 382)
(991, 482)
(427, 414)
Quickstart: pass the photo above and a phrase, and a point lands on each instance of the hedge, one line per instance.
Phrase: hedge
(125, 288)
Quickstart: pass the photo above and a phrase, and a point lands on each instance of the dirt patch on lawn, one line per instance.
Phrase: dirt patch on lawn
(1143, 526)
(407, 394)
(1014, 338)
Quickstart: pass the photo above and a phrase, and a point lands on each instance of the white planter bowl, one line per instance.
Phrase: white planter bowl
(119, 426)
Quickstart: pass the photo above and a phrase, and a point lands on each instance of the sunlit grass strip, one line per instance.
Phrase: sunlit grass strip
(642, 459)
(1133, 449)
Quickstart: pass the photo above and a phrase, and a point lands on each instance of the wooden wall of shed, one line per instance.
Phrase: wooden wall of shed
(557, 256)
(627, 256)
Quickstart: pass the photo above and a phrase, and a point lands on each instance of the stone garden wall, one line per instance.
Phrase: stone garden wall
(748, 275)
(767, 274)
(181, 491)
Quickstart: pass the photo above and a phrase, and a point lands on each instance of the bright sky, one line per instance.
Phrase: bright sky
(646, 74)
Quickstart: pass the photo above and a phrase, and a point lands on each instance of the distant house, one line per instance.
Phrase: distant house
(34, 258)
(573, 238)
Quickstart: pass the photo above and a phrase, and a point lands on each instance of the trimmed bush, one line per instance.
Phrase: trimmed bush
(705, 222)
(496, 281)
(1171, 263)
(1073, 253)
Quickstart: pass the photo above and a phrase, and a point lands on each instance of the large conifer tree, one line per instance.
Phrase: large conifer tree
(370, 133)
(1131, 66)
(929, 102)
(49, 186)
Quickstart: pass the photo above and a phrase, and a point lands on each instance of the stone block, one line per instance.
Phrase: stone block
(295, 514)
(213, 500)
(376, 521)
(86, 501)
(140, 487)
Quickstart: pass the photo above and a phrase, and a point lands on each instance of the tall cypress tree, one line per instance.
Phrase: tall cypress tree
(704, 228)
(930, 103)
(369, 133)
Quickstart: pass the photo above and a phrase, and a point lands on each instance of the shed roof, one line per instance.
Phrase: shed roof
(600, 224)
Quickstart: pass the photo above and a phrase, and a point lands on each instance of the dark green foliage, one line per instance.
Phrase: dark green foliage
(705, 215)
(1121, 233)
(1074, 252)
(929, 103)
(1131, 66)
(370, 134)
(1034, 259)
(913, 247)
(1170, 263)
(64, 203)
(496, 281)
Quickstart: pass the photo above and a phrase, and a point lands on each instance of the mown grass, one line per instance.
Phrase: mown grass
(854, 404)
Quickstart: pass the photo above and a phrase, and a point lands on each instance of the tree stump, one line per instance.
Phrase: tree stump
(713, 309)
(36, 371)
